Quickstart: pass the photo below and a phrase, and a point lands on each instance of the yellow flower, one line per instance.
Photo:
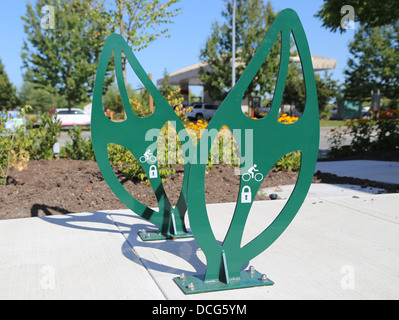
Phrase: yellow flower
(287, 119)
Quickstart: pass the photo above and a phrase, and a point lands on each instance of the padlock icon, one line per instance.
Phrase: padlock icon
(246, 195)
(153, 172)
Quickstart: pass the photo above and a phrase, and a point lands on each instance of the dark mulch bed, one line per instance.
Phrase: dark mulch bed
(70, 186)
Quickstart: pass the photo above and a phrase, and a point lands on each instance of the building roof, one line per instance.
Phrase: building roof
(190, 74)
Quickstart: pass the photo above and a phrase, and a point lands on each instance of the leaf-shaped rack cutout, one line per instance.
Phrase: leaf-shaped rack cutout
(223, 158)
(133, 94)
(171, 162)
(260, 219)
(111, 99)
(294, 97)
(131, 175)
(122, 97)
(286, 94)
(260, 92)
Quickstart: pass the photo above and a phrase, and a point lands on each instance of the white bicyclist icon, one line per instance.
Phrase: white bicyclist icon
(252, 175)
(148, 157)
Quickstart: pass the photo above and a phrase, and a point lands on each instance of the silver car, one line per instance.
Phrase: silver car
(202, 110)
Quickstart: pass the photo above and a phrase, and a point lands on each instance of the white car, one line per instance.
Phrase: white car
(366, 111)
(73, 117)
(202, 110)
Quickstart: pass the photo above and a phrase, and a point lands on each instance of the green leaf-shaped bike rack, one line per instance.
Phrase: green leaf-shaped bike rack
(131, 134)
(271, 140)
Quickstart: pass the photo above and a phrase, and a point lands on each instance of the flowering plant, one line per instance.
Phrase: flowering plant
(380, 131)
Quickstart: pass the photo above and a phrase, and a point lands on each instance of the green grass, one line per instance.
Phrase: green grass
(332, 123)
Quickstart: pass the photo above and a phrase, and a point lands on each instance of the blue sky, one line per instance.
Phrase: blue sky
(188, 34)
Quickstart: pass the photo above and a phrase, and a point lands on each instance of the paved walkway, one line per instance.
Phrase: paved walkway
(381, 171)
(343, 244)
(338, 247)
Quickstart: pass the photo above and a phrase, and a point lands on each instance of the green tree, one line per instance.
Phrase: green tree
(41, 99)
(140, 22)
(8, 97)
(373, 63)
(166, 88)
(370, 13)
(295, 92)
(64, 58)
(328, 90)
(253, 19)
(112, 99)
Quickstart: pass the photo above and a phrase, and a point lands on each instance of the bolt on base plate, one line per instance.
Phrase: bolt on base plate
(157, 236)
(195, 284)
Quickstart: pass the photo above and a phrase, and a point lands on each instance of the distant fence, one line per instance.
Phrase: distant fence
(349, 109)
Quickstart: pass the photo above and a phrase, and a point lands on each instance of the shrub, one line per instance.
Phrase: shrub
(42, 139)
(387, 123)
(79, 148)
(379, 132)
(290, 162)
(122, 159)
(19, 146)
(13, 147)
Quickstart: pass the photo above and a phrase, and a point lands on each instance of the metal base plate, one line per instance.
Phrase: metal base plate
(157, 236)
(194, 284)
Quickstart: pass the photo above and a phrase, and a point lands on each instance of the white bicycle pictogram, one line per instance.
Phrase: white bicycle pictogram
(148, 157)
(251, 174)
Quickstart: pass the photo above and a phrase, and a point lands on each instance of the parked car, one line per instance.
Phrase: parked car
(365, 112)
(73, 117)
(13, 120)
(260, 111)
(334, 114)
(202, 110)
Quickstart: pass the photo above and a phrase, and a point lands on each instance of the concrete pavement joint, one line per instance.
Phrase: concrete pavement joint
(377, 215)
(139, 257)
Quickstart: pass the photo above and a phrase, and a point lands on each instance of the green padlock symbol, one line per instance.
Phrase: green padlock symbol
(246, 195)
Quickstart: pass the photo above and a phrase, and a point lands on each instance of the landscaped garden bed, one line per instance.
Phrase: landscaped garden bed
(72, 186)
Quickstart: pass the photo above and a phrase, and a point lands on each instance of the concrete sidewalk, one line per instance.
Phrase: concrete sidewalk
(79, 256)
(338, 247)
(380, 171)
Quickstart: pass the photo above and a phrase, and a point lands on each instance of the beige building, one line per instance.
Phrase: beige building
(189, 76)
